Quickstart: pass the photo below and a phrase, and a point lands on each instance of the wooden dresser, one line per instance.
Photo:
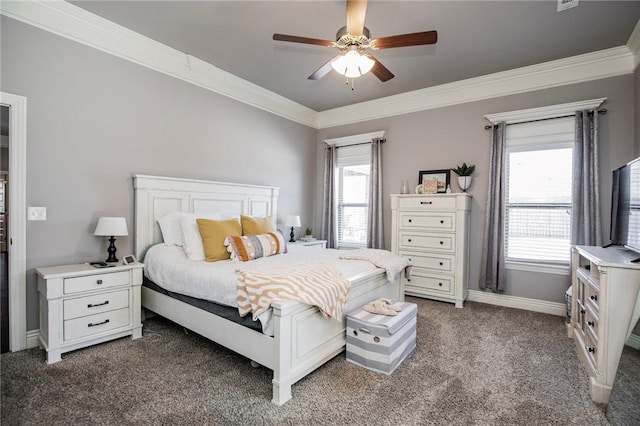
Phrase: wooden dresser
(432, 231)
(604, 310)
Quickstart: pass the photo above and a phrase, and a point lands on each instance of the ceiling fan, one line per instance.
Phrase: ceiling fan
(353, 41)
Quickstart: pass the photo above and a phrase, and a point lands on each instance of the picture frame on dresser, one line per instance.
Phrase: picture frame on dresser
(443, 177)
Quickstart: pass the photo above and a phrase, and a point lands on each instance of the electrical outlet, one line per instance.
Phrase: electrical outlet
(37, 213)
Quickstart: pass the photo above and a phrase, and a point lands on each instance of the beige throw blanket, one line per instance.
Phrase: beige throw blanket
(314, 284)
(384, 259)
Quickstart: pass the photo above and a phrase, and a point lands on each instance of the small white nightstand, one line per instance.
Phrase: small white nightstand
(81, 305)
(315, 244)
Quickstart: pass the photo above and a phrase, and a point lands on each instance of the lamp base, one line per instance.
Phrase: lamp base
(292, 240)
(112, 250)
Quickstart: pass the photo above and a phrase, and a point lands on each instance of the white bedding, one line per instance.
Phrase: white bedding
(169, 267)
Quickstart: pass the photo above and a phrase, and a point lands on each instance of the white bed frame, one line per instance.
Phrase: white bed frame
(303, 340)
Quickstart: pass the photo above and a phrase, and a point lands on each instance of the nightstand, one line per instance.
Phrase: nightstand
(81, 305)
(315, 244)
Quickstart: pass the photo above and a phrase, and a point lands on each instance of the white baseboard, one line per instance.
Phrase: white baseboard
(32, 338)
(516, 302)
(634, 341)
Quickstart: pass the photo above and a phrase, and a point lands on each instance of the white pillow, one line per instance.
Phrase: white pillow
(171, 228)
(193, 246)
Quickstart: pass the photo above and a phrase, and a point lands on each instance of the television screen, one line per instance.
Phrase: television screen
(625, 206)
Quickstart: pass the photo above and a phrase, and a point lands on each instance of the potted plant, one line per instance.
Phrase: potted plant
(464, 175)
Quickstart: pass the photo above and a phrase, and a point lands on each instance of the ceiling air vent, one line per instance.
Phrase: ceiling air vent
(567, 4)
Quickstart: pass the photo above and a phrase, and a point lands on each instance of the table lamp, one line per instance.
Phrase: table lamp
(111, 227)
(292, 221)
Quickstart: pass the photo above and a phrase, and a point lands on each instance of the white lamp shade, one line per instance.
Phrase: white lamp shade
(292, 221)
(352, 64)
(111, 227)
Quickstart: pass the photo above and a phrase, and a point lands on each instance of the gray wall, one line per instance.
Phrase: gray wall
(94, 120)
(444, 137)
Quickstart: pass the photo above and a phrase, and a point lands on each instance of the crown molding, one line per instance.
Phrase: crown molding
(591, 66)
(77, 24)
(355, 139)
(513, 117)
(634, 43)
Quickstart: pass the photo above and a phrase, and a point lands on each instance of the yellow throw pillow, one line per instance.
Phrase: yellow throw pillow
(256, 225)
(213, 233)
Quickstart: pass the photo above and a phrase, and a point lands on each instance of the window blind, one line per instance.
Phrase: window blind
(353, 169)
(538, 197)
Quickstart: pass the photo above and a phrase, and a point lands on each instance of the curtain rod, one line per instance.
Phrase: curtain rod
(601, 111)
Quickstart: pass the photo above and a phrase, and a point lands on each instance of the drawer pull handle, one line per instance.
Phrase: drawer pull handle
(426, 202)
(409, 240)
(441, 263)
(591, 323)
(582, 311)
(594, 298)
(409, 220)
(99, 282)
(98, 323)
(592, 350)
(93, 305)
(440, 284)
(441, 242)
(442, 221)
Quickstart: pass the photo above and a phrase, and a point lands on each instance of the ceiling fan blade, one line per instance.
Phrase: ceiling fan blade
(323, 70)
(305, 40)
(413, 39)
(356, 11)
(380, 70)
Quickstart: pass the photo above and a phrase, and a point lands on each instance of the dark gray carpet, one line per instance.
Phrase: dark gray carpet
(478, 365)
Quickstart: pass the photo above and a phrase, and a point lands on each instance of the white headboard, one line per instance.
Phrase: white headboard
(156, 196)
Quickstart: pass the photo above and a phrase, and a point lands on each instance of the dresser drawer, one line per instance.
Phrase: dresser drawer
(422, 279)
(95, 282)
(95, 304)
(440, 222)
(95, 324)
(426, 203)
(438, 262)
(439, 242)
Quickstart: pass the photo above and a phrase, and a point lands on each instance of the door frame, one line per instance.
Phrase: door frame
(16, 245)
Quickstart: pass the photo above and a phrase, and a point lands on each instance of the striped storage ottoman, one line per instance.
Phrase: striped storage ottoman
(381, 342)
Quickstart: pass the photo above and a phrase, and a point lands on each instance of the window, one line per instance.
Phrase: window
(352, 186)
(538, 177)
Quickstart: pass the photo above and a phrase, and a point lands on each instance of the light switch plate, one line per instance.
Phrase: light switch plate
(37, 213)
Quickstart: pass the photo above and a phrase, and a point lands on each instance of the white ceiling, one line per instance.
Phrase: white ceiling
(475, 38)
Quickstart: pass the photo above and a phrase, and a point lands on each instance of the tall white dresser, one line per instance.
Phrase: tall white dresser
(432, 231)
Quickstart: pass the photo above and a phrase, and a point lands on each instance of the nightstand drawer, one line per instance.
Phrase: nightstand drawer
(95, 324)
(441, 263)
(441, 222)
(98, 303)
(95, 282)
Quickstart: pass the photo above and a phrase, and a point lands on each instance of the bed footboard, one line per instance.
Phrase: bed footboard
(305, 340)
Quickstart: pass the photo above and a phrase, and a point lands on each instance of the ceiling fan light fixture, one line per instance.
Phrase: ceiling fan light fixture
(352, 64)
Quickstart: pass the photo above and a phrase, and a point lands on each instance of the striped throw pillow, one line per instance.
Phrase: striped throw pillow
(250, 247)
